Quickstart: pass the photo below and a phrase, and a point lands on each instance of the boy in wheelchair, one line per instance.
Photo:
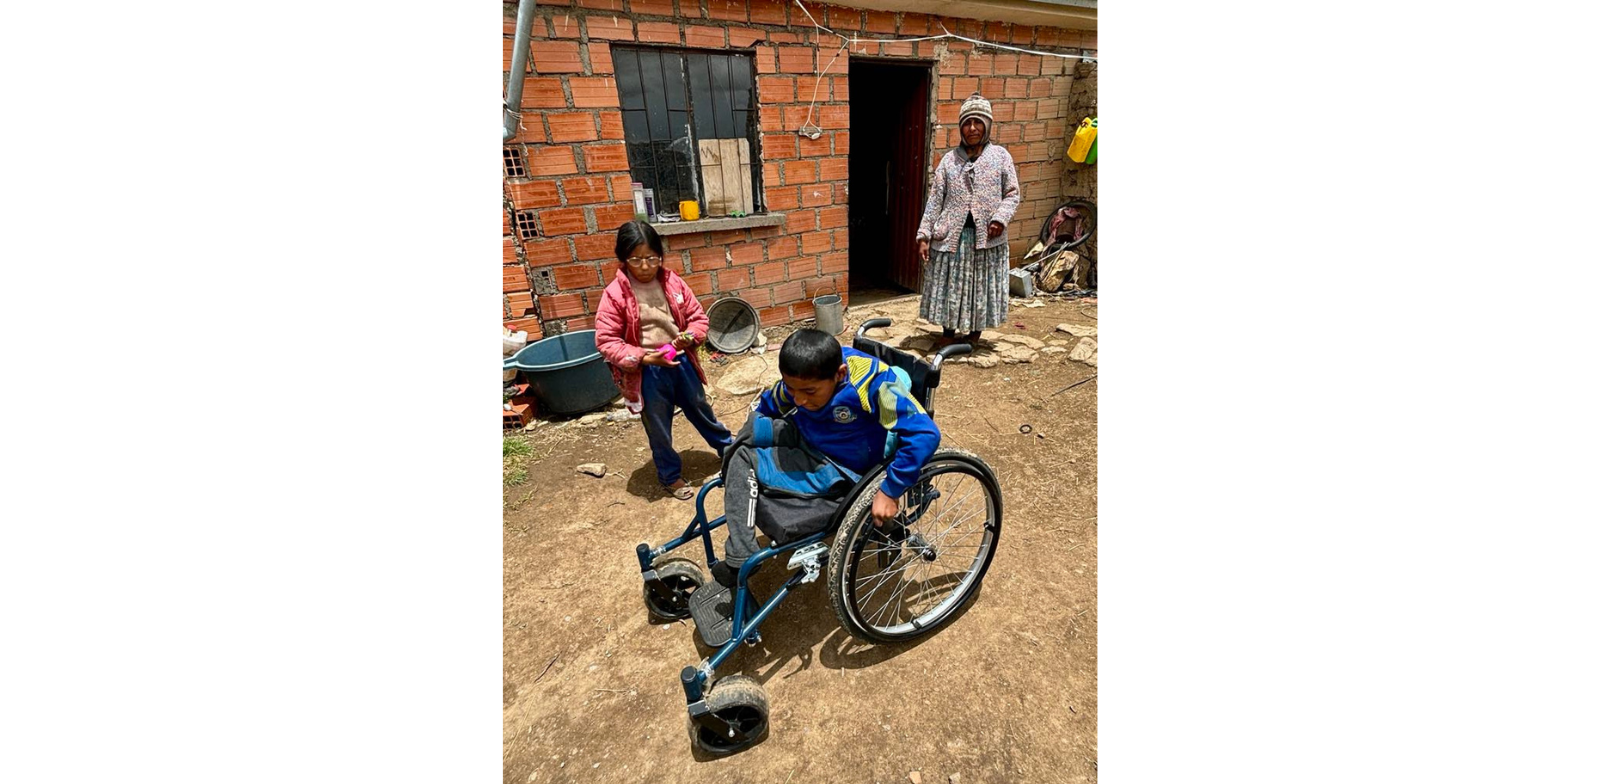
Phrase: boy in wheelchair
(836, 413)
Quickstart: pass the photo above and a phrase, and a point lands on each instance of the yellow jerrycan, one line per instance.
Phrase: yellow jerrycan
(1083, 139)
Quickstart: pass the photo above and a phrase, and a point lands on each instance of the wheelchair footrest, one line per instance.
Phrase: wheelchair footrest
(711, 606)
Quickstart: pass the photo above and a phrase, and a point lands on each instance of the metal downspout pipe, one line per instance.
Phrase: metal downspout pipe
(519, 68)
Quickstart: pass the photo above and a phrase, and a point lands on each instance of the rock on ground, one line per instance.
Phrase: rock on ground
(1078, 330)
(1087, 351)
(1053, 350)
(750, 375)
(592, 419)
(1021, 340)
(593, 469)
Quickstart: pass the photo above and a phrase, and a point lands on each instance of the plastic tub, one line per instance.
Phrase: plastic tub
(566, 373)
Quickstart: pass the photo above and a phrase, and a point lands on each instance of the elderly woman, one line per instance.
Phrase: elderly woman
(964, 286)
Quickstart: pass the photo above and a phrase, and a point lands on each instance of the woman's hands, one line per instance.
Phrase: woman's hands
(922, 249)
(996, 228)
(684, 341)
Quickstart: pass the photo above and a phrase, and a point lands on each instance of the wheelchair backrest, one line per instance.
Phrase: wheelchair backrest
(924, 376)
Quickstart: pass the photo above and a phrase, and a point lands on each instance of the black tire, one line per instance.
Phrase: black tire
(740, 701)
(682, 577)
(1086, 209)
(912, 536)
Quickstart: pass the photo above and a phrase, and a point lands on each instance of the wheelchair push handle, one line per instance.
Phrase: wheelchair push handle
(861, 331)
(952, 350)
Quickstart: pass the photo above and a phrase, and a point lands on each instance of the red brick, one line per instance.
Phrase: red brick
(573, 127)
(699, 283)
(543, 253)
(576, 276)
(727, 237)
(797, 59)
(918, 24)
(600, 58)
(818, 195)
(805, 310)
(531, 326)
(777, 146)
(801, 220)
(1003, 111)
(795, 116)
(766, 60)
(816, 242)
(833, 117)
(509, 247)
(606, 157)
(611, 125)
(841, 88)
(992, 87)
(772, 12)
(765, 232)
(622, 187)
(1052, 66)
(539, 193)
(1047, 36)
(542, 93)
(506, 66)
(608, 218)
(731, 10)
(811, 88)
(775, 89)
(603, 5)
(733, 279)
(744, 37)
(695, 35)
(840, 18)
(674, 263)
(654, 7)
(703, 259)
(568, 220)
(546, 161)
(812, 148)
(562, 26)
(833, 217)
(797, 172)
(792, 291)
(774, 316)
(594, 92)
(561, 306)
(926, 50)
(788, 38)
(746, 253)
(581, 323)
(659, 32)
(1026, 111)
(836, 63)
(881, 22)
(1008, 133)
(781, 199)
(1032, 132)
(999, 32)
(610, 28)
(1028, 64)
(899, 49)
(1037, 88)
(841, 143)
(552, 57)
(594, 247)
(768, 273)
(1022, 34)
(783, 247)
(835, 262)
(585, 190)
(758, 298)
(947, 113)
(802, 267)
(980, 64)
(519, 304)
(1005, 64)
(835, 169)
(841, 239)
(953, 64)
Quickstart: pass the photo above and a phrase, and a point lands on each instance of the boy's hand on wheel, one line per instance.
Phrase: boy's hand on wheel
(883, 508)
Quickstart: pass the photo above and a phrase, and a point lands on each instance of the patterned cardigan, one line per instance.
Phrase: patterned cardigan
(994, 197)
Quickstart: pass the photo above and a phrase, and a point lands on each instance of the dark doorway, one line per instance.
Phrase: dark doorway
(888, 174)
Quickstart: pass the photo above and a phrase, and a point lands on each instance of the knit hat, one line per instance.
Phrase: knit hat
(977, 106)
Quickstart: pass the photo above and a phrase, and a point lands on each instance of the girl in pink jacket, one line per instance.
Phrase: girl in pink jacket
(647, 327)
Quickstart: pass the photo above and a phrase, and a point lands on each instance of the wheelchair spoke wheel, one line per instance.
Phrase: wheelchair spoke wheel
(739, 706)
(679, 577)
(909, 576)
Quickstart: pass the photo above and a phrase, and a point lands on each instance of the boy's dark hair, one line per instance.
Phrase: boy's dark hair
(812, 354)
(634, 233)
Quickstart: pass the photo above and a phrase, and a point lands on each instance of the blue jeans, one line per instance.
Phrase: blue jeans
(664, 389)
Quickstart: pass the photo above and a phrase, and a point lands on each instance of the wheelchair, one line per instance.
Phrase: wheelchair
(886, 584)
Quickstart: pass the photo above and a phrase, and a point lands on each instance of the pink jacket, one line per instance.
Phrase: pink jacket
(616, 328)
(993, 197)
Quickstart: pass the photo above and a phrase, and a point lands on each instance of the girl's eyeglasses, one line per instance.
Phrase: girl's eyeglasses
(644, 261)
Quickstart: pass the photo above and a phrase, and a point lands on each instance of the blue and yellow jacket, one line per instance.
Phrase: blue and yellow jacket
(855, 428)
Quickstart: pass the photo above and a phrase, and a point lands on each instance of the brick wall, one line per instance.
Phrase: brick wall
(577, 185)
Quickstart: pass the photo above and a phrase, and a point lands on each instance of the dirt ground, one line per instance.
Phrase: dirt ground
(1006, 692)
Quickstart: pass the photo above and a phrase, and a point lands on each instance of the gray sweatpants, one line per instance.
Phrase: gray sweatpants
(782, 518)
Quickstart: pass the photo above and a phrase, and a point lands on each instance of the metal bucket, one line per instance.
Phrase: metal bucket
(830, 312)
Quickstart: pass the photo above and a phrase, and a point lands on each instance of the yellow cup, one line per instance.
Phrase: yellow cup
(689, 210)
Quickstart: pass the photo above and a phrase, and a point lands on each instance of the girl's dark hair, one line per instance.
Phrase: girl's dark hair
(634, 233)
(810, 354)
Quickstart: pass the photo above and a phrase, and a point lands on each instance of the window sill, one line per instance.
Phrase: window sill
(718, 224)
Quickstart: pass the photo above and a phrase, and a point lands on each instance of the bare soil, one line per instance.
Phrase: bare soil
(1007, 692)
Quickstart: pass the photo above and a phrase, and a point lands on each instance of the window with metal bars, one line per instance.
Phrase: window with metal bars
(513, 163)
(673, 100)
(527, 227)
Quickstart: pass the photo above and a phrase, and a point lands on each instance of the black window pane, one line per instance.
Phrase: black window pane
(628, 87)
(739, 71)
(721, 86)
(655, 94)
(672, 74)
(705, 123)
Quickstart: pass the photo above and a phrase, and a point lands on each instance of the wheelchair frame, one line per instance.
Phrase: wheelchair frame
(746, 625)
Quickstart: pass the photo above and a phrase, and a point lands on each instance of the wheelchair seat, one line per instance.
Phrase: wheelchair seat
(924, 375)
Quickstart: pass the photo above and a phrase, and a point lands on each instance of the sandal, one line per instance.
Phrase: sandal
(682, 491)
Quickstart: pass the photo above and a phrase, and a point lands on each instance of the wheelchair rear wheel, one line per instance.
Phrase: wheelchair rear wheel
(910, 576)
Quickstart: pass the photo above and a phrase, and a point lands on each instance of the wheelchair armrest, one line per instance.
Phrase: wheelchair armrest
(861, 331)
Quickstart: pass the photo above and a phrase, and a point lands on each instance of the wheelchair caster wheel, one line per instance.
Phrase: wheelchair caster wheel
(669, 600)
(739, 707)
